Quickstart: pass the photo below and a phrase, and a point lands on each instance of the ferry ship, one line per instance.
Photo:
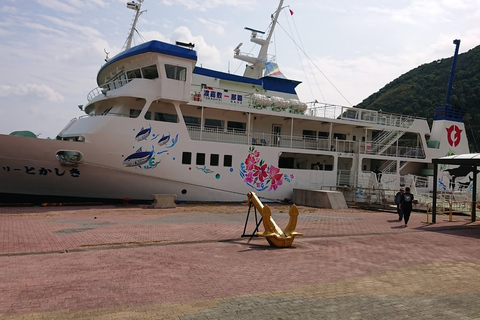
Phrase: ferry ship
(159, 124)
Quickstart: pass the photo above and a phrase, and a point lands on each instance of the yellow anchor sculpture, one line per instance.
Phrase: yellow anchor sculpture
(274, 235)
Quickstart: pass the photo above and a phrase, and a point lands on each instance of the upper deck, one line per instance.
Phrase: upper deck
(215, 97)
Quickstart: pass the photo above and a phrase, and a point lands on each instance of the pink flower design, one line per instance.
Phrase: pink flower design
(249, 177)
(251, 162)
(261, 172)
(276, 177)
(276, 184)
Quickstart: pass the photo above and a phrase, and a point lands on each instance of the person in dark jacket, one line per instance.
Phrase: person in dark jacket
(398, 201)
(406, 205)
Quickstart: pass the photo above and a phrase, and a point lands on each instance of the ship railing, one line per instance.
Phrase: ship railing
(387, 135)
(115, 84)
(217, 96)
(261, 138)
(393, 150)
(217, 134)
(388, 166)
(347, 178)
(421, 182)
(241, 136)
(95, 92)
(386, 139)
(326, 110)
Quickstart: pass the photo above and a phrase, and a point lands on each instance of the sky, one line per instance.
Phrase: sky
(342, 51)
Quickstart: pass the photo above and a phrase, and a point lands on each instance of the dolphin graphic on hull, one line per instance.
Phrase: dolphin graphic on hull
(143, 134)
(164, 140)
(138, 158)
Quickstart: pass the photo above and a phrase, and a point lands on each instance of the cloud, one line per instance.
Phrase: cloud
(37, 27)
(213, 25)
(36, 90)
(153, 35)
(349, 81)
(421, 12)
(207, 55)
(8, 10)
(57, 5)
(84, 30)
(204, 6)
(71, 6)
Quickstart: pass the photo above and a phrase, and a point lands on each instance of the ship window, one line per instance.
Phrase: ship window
(148, 115)
(214, 159)
(187, 158)
(176, 72)
(236, 126)
(340, 136)
(150, 72)
(192, 121)
(123, 78)
(322, 134)
(165, 117)
(200, 159)
(106, 111)
(132, 74)
(134, 113)
(214, 123)
(227, 160)
(118, 81)
(309, 134)
(286, 162)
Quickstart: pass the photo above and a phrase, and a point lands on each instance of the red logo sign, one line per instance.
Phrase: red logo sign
(453, 135)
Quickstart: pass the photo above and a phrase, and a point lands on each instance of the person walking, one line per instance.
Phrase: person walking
(398, 201)
(406, 205)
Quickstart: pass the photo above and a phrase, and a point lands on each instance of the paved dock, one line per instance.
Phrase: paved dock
(190, 262)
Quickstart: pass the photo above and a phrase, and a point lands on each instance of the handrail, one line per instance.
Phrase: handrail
(263, 138)
(318, 110)
(116, 84)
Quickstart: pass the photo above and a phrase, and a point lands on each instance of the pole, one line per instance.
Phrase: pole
(456, 42)
(434, 208)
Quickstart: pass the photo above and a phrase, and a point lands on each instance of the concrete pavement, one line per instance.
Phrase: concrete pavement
(190, 262)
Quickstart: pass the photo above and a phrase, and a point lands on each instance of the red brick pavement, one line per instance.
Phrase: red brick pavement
(120, 262)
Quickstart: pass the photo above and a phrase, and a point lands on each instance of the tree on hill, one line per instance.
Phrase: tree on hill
(418, 91)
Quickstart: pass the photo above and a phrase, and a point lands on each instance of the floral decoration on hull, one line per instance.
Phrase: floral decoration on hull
(259, 175)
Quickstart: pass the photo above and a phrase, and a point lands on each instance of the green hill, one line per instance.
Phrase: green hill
(418, 91)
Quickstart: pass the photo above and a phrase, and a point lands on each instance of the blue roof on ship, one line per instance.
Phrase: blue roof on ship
(154, 46)
(268, 83)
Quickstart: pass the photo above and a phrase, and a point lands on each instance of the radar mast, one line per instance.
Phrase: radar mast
(134, 6)
(257, 64)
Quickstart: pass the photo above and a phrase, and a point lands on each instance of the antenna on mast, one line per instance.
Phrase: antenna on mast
(134, 6)
(256, 65)
(106, 55)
